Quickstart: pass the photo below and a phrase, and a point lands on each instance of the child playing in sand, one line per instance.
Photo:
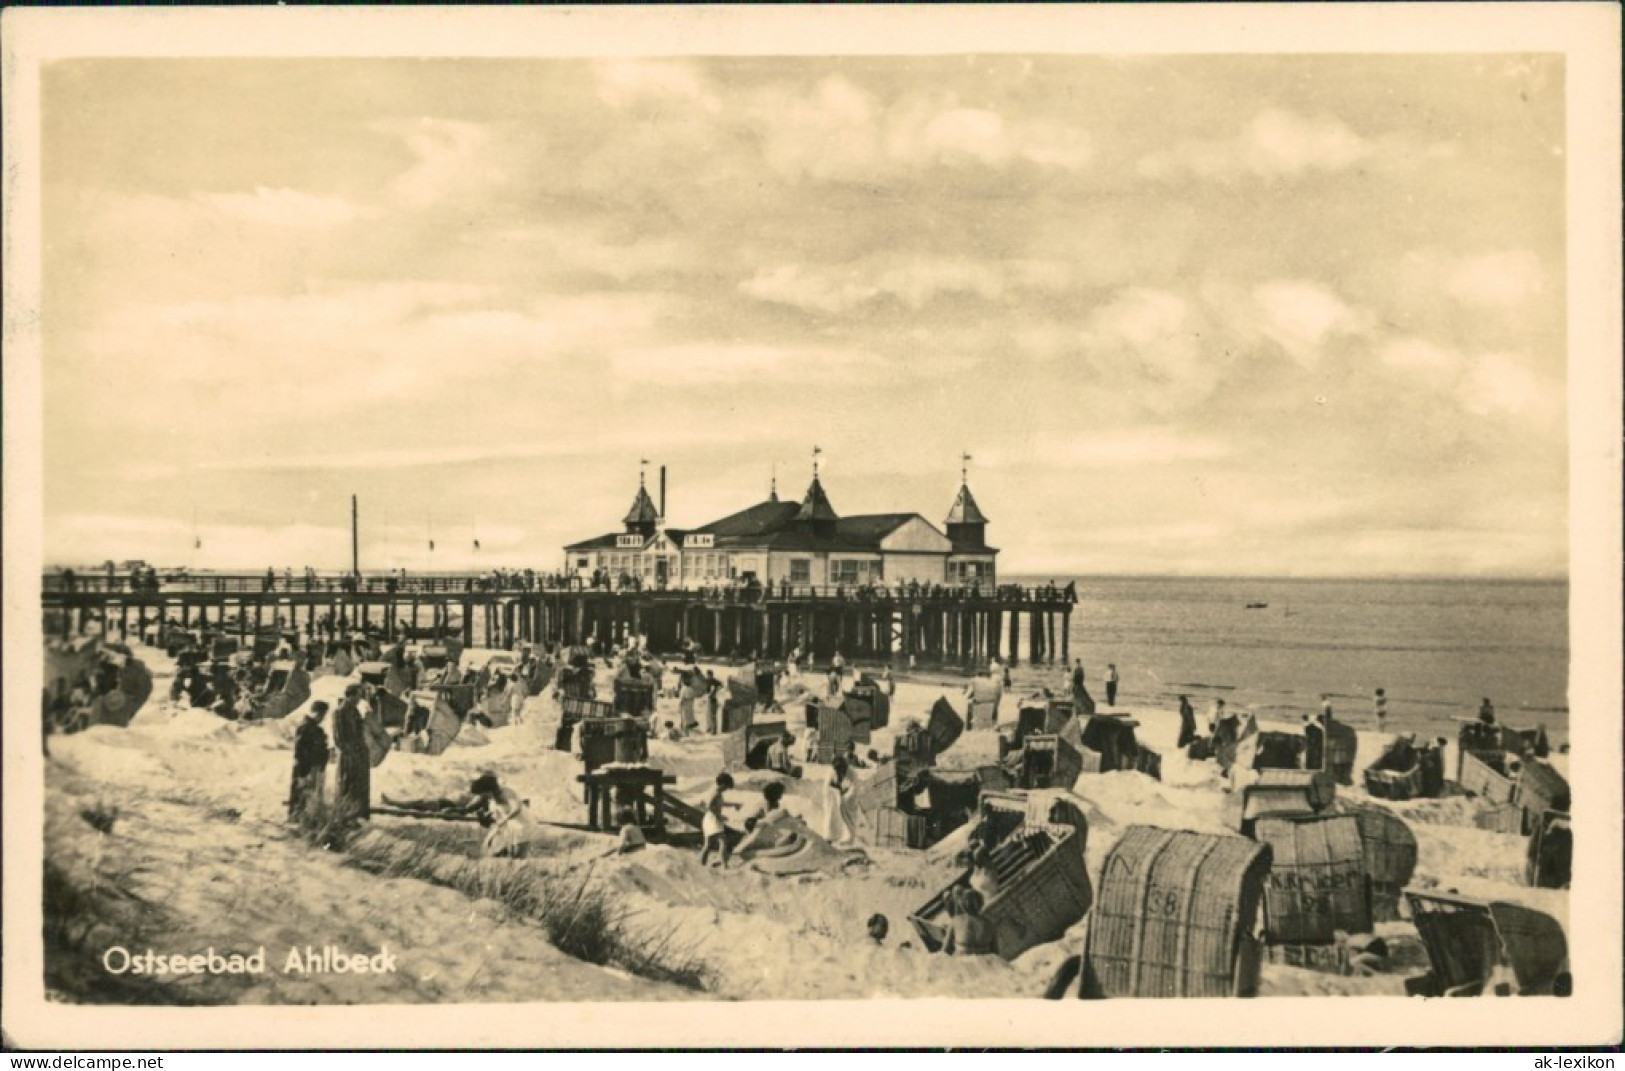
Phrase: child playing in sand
(712, 826)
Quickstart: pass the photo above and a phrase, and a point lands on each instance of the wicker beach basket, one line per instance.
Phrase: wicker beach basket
(1176, 916)
(1540, 789)
(1342, 748)
(1043, 890)
(1049, 761)
(1549, 861)
(1484, 775)
(1318, 883)
(1279, 751)
(893, 828)
(1390, 857)
(1471, 941)
(1279, 794)
(744, 747)
(635, 697)
(1112, 736)
(945, 726)
(869, 702)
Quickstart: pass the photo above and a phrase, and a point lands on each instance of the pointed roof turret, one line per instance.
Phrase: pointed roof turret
(643, 509)
(965, 510)
(816, 507)
(643, 517)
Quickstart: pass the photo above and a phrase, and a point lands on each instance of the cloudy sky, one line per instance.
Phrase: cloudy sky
(1202, 314)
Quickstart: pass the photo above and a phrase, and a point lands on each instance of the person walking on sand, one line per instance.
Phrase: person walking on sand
(355, 762)
(310, 755)
(712, 825)
(1111, 684)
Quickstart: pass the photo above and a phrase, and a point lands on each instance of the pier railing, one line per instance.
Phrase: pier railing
(99, 583)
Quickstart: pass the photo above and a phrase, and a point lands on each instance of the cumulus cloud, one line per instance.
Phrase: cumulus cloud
(1497, 280)
(839, 131)
(1274, 144)
(1437, 365)
(1501, 384)
(623, 83)
(1148, 343)
(1301, 316)
(354, 348)
(452, 159)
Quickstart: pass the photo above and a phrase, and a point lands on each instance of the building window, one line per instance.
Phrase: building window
(846, 572)
(800, 570)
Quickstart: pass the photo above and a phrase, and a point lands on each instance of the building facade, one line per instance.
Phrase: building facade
(805, 544)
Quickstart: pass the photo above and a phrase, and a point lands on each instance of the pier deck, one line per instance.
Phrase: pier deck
(941, 626)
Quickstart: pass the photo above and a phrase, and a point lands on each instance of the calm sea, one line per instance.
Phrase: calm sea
(1436, 646)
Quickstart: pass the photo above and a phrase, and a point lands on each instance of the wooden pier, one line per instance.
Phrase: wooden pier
(939, 627)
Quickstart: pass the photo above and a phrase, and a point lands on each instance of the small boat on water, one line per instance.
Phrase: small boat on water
(1258, 606)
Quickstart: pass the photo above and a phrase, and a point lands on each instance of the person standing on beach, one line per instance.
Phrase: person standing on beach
(1187, 722)
(310, 756)
(1083, 704)
(886, 681)
(713, 700)
(355, 762)
(837, 826)
(1314, 744)
(1381, 705)
(1111, 684)
(1486, 712)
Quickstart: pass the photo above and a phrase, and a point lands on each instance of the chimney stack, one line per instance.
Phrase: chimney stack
(662, 493)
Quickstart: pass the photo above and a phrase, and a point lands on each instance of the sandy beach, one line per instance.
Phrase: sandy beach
(201, 842)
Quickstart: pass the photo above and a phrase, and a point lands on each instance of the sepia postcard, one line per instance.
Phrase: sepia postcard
(788, 527)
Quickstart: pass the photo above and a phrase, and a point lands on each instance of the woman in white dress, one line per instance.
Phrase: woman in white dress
(837, 825)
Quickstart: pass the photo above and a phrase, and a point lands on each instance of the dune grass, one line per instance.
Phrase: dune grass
(581, 918)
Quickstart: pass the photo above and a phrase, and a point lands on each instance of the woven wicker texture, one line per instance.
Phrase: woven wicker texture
(1390, 857)
(1317, 884)
(1043, 890)
(1174, 912)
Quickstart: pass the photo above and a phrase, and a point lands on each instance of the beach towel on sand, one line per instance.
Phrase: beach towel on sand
(796, 849)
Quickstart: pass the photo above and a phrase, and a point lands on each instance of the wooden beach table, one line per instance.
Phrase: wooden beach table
(646, 785)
